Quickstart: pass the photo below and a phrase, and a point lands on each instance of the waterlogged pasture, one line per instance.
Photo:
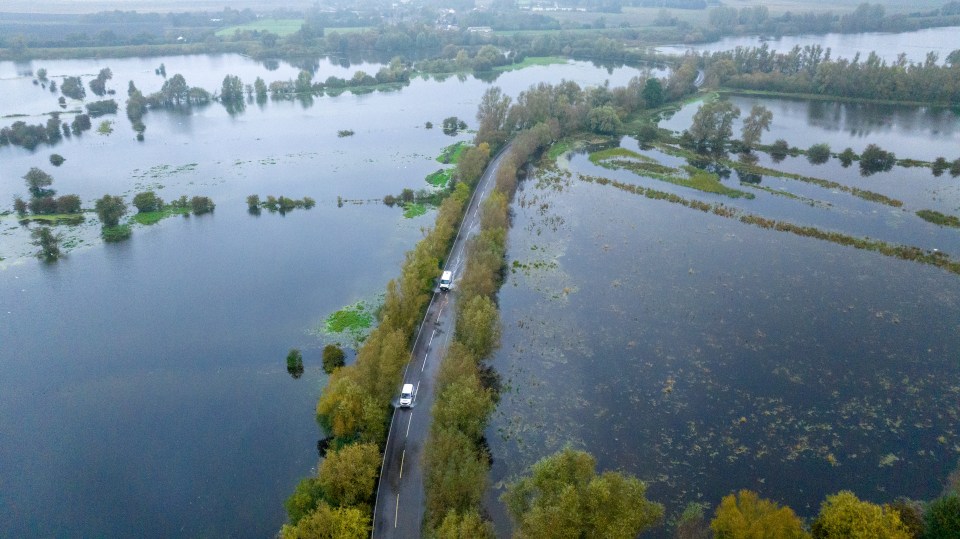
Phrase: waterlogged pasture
(706, 355)
(145, 390)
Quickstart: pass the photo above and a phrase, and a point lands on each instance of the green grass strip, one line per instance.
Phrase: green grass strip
(938, 218)
(531, 61)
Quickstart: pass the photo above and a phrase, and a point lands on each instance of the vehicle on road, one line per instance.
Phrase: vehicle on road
(446, 281)
(406, 396)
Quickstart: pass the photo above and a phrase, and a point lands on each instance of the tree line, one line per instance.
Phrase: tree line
(811, 70)
(354, 408)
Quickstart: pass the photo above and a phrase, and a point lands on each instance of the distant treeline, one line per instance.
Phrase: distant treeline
(810, 70)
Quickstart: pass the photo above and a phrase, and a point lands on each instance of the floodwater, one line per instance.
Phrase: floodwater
(705, 355)
(888, 46)
(144, 390)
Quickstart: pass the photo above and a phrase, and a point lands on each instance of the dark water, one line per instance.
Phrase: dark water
(144, 390)
(705, 355)
(915, 45)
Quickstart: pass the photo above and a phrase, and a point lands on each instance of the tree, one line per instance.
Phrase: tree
(72, 87)
(37, 182)
(754, 125)
(175, 90)
(955, 168)
(260, 87)
(652, 93)
(713, 126)
(818, 154)
(201, 205)
(328, 523)
(604, 120)
(295, 363)
(147, 201)
(348, 476)
(462, 525)
(333, 358)
(564, 497)
(874, 159)
(747, 516)
(68, 204)
(846, 157)
(20, 206)
(304, 499)
(231, 91)
(48, 242)
(478, 326)
(99, 85)
(110, 209)
(464, 405)
(472, 162)
(492, 116)
(943, 518)
(844, 516)
(56, 159)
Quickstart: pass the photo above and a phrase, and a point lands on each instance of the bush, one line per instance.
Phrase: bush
(112, 234)
(874, 159)
(253, 202)
(201, 205)
(943, 518)
(333, 358)
(43, 205)
(390, 200)
(818, 154)
(779, 150)
(110, 209)
(68, 204)
(847, 157)
(56, 159)
(348, 476)
(304, 499)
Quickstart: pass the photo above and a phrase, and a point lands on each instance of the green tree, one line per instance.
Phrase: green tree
(712, 126)
(348, 476)
(231, 91)
(692, 523)
(755, 124)
(333, 358)
(68, 204)
(328, 523)
(874, 159)
(295, 363)
(56, 159)
(747, 516)
(455, 474)
(200, 205)
(304, 499)
(110, 209)
(652, 93)
(72, 87)
(943, 518)
(818, 154)
(844, 516)
(472, 162)
(147, 201)
(492, 117)
(48, 242)
(563, 497)
(478, 326)
(99, 85)
(304, 83)
(37, 182)
(464, 405)
(260, 87)
(846, 157)
(604, 120)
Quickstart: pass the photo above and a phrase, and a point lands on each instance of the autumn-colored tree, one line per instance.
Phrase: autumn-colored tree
(563, 497)
(472, 162)
(466, 525)
(349, 474)
(330, 523)
(844, 516)
(747, 516)
(455, 474)
(304, 499)
(478, 326)
(464, 405)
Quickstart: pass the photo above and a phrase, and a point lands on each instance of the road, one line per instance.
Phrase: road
(398, 511)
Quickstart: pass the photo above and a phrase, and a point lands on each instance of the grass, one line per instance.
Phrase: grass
(414, 209)
(153, 217)
(531, 61)
(451, 154)
(117, 233)
(559, 148)
(281, 27)
(938, 218)
(53, 219)
(610, 153)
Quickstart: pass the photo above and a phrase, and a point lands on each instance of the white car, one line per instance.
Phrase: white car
(406, 396)
(446, 281)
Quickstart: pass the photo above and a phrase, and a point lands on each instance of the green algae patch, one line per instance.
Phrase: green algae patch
(148, 218)
(353, 321)
(451, 154)
(414, 209)
(938, 218)
(439, 178)
(531, 61)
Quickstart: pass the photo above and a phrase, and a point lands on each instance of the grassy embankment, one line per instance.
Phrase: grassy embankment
(280, 27)
(531, 61)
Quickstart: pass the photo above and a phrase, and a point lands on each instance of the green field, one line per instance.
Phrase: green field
(281, 27)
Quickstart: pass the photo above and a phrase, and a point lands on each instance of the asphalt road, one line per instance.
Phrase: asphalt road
(400, 495)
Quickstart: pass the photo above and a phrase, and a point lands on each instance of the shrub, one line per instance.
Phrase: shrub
(874, 159)
(818, 154)
(112, 234)
(295, 363)
(43, 205)
(68, 204)
(943, 518)
(779, 150)
(390, 200)
(201, 205)
(847, 157)
(304, 499)
(20, 206)
(56, 159)
(253, 202)
(110, 209)
(333, 358)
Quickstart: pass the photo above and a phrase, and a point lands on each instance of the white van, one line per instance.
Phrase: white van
(406, 396)
(446, 281)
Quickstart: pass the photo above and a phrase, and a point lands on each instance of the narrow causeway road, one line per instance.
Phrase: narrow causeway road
(398, 512)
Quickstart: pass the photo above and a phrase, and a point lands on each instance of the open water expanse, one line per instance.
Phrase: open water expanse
(888, 46)
(705, 355)
(144, 390)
